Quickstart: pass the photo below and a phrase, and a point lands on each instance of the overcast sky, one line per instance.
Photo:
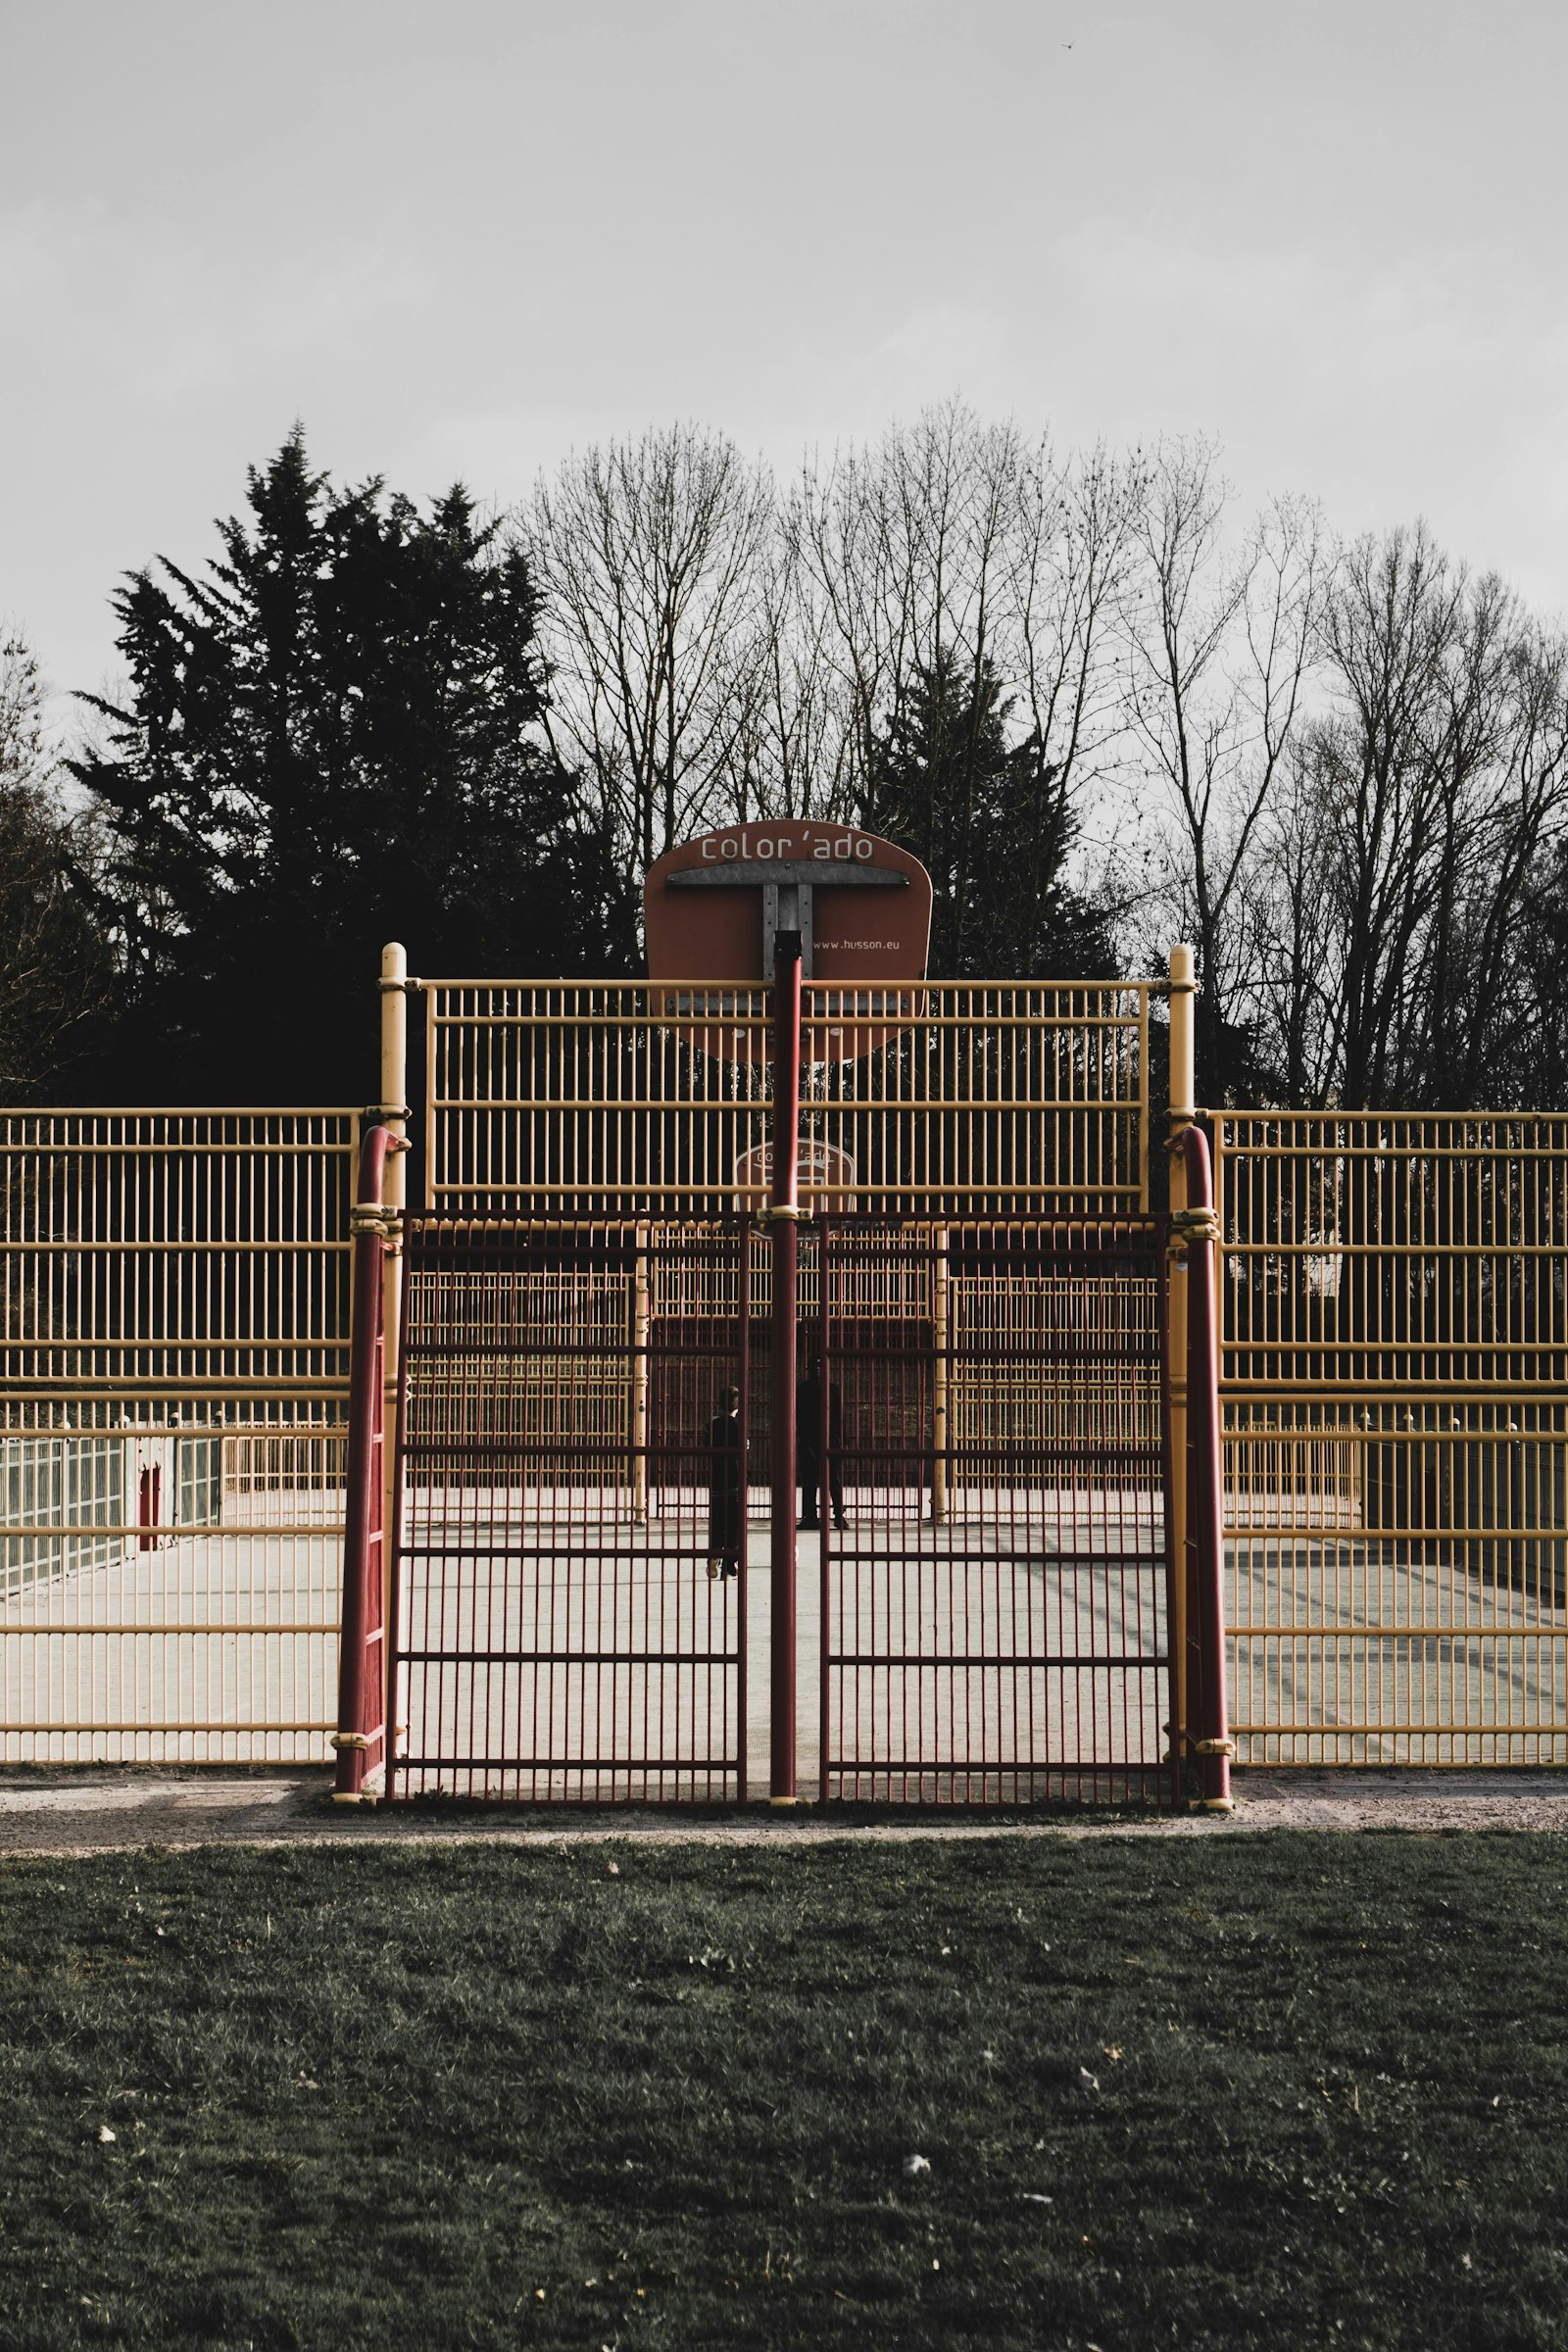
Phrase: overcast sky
(456, 239)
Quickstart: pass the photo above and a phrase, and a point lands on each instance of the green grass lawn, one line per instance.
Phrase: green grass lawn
(1287, 2090)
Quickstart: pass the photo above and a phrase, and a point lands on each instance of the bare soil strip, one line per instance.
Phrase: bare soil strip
(83, 1811)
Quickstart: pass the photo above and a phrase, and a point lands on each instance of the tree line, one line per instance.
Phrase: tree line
(1103, 712)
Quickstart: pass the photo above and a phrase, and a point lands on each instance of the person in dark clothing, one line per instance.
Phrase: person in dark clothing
(726, 1469)
(809, 1446)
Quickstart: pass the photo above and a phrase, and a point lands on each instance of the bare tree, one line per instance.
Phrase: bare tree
(953, 549)
(1219, 652)
(1073, 548)
(21, 703)
(649, 558)
(798, 751)
(1430, 792)
(55, 964)
(717, 655)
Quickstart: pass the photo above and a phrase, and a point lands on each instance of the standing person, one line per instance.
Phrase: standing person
(726, 1446)
(809, 1446)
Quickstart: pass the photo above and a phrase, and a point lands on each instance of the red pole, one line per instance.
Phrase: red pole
(824, 1491)
(1212, 1744)
(744, 1371)
(360, 1738)
(783, 1212)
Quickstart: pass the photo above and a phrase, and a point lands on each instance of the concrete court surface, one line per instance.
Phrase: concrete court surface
(908, 1589)
(154, 1673)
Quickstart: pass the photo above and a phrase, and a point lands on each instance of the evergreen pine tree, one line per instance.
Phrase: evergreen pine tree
(987, 821)
(333, 738)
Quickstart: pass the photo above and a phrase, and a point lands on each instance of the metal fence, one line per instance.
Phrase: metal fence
(996, 1567)
(1395, 1390)
(174, 1327)
(175, 1332)
(554, 1634)
(620, 1099)
(993, 1621)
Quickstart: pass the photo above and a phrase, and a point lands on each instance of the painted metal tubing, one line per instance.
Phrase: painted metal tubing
(743, 1376)
(1208, 1706)
(360, 1739)
(784, 1210)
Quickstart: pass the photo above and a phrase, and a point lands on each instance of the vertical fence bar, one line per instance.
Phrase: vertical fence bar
(827, 1474)
(1175, 1560)
(393, 1112)
(641, 1331)
(1206, 1556)
(1181, 1111)
(397, 1435)
(743, 1342)
(362, 1701)
(783, 1213)
(939, 1375)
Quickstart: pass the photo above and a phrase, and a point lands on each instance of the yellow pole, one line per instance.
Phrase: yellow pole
(393, 1112)
(1183, 1110)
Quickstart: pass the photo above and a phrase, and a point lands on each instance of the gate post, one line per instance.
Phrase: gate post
(1183, 1088)
(359, 1740)
(393, 1112)
(783, 1214)
(1205, 1563)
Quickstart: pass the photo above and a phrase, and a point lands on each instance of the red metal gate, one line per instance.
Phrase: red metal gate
(556, 1632)
(996, 1580)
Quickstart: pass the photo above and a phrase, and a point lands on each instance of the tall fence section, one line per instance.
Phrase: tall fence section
(577, 1433)
(593, 1423)
(1394, 1388)
(571, 1100)
(571, 1460)
(995, 1563)
(174, 1292)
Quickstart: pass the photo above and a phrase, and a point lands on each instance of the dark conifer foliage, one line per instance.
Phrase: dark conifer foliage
(333, 738)
(992, 828)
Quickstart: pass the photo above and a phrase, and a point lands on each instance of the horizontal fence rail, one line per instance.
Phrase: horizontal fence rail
(174, 1357)
(1394, 1393)
(616, 1098)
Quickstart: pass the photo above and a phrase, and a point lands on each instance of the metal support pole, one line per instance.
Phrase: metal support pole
(1183, 1109)
(743, 1377)
(360, 1739)
(783, 1213)
(1205, 1543)
(827, 1469)
(393, 1112)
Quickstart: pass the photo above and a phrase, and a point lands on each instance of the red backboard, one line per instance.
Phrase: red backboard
(862, 906)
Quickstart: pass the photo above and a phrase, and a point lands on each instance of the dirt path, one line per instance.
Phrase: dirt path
(86, 1811)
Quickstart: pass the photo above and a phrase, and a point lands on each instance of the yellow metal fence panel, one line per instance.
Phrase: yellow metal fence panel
(1394, 1390)
(610, 1098)
(174, 1361)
